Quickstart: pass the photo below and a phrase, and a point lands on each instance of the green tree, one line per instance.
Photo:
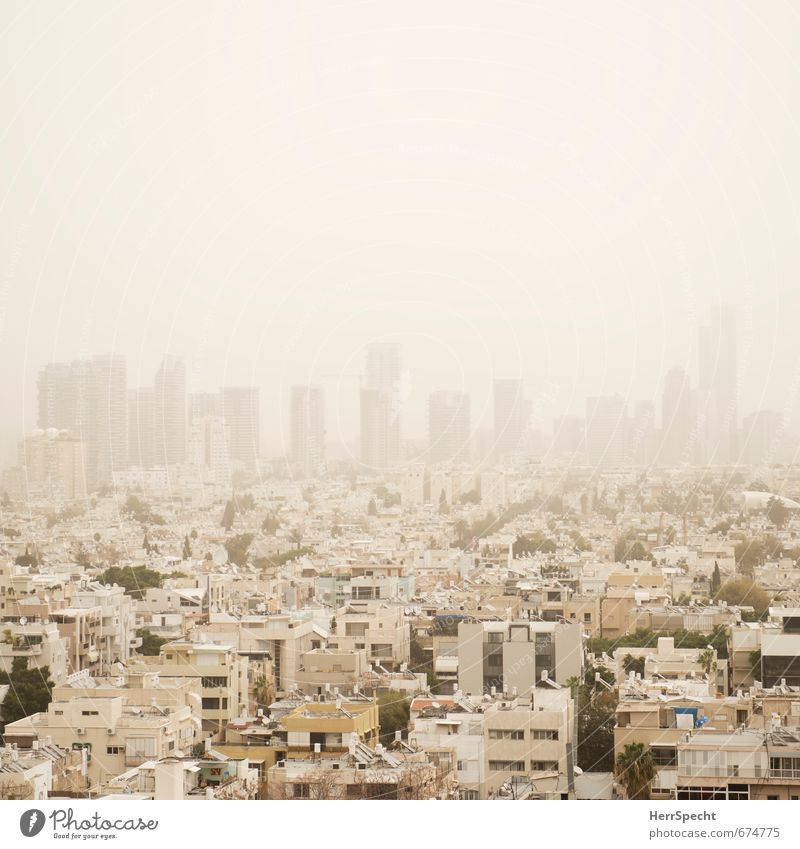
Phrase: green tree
(394, 710)
(228, 515)
(716, 579)
(29, 691)
(151, 643)
(187, 548)
(237, 547)
(707, 659)
(596, 721)
(271, 524)
(135, 579)
(742, 591)
(532, 543)
(749, 553)
(635, 770)
(628, 547)
(633, 664)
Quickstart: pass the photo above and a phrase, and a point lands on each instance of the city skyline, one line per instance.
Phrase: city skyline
(688, 420)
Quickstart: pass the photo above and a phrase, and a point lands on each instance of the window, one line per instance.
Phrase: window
(89, 713)
(215, 681)
(470, 795)
(664, 755)
(495, 637)
(210, 704)
(544, 766)
(545, 734)
(113, 750)
(300, 791)
(140, 747)
(587, 617)
(506, 734)
(507, 766)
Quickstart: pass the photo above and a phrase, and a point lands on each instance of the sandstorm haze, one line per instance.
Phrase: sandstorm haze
(551, 192)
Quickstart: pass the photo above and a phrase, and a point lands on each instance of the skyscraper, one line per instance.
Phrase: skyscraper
(448, 427)
(717, 389)
(510, 419)
(56, 397)
(239, 406)
(380, 407)
(202, 404)
(170, 412)
(678, 419)
(606, 432)
(105, 397)
(307, 450)
(141, 427)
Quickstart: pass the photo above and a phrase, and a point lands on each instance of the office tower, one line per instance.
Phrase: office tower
(717, 390)
(141, 427)
(510, 418)
(307, 450)
(678, 419)
(448, 427)
(56, 397)
(202, 404)
(606, 432)
(380, 407)
(109, 385)
(170, 412)
(239, 406)
(763, 434)
(54, 465)
(568, 444)
(641, 433)
(208, 449)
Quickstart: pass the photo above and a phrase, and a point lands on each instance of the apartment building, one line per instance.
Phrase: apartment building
(186, 780)
(115, 735)
(365, 773)
(115, 633)
(743, 764)
(660, 713)
(379, 629)
(667, 662)
(780, 648)
(222, 674)
(38, 641)
(41, 771)
(510, 656)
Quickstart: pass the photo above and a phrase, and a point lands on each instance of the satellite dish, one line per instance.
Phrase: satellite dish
(23, 620)
(219, 556)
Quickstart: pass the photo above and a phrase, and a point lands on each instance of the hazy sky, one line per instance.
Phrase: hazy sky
(556, 191)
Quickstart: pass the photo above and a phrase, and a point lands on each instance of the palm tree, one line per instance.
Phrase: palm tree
(635, 770)
(707, 661)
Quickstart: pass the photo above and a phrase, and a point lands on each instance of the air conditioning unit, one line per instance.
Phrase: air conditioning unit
(281, 764)
(111, 732)
(80, 730)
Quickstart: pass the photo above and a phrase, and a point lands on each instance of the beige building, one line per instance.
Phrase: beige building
(513, 656)
(744, 764)
(115, 735)
(221, 671)
(660, 714)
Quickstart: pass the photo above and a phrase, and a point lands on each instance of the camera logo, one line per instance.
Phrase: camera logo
(32, 822)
